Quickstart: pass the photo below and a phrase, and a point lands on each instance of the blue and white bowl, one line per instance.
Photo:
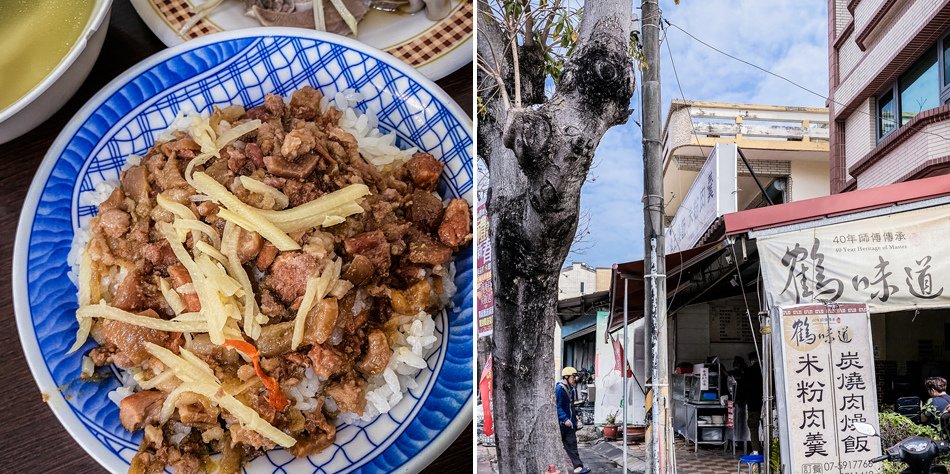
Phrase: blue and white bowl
(121, 120)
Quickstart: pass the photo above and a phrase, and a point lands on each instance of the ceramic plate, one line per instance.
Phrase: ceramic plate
(238, 67)
(435, 48)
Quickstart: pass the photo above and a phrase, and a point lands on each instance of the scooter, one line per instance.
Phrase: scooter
(917, 452)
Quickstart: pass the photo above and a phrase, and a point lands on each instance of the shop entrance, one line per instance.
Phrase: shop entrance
(908, 348)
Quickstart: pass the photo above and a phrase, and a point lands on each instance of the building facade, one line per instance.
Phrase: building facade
(576, 280)
(704, 175)
(889, 84)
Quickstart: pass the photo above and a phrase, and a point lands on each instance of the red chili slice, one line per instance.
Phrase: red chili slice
(276, 398)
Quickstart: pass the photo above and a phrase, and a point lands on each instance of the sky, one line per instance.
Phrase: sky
(788, 37)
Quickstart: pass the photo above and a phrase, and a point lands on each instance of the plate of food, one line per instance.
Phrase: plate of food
(253, 252)
(434, 36)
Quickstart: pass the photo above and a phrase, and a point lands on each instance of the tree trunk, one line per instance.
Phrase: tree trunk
(538, 158)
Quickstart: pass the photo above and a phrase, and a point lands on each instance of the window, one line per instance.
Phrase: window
(919, 87)
(924, 86)
(582, 288)
(946, 63)
(886, 116)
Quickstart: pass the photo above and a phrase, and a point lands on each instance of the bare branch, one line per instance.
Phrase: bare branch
(498, 80)
(491, 42)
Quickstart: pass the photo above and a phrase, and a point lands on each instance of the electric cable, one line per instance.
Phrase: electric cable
(779, 76)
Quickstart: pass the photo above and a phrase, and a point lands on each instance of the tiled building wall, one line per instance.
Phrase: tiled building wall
(763, 167)
(848, 56)
(894, 36)
(859, 133)
(842, 16)
(864, 11)
(921, 147)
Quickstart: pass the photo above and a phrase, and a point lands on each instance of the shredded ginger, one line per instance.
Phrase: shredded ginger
(197, 377)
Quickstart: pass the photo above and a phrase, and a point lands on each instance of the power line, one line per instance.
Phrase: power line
(874, 116)
(703, 152)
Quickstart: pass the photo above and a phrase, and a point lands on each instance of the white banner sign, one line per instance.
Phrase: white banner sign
(609, 380)
(825, 382)
(892, 262)
(712, 194)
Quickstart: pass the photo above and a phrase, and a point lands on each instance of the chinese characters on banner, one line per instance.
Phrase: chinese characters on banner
(712, 195)
(828, 385)
(887, 261)
(486, 302)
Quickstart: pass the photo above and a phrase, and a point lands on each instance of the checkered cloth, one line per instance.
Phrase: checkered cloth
(438, 40)
(177, 12)
(449, 33)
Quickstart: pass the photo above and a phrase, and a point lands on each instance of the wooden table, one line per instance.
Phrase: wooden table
(31, 438)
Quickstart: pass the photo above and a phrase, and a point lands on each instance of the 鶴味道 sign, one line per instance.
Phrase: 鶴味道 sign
(825, 384)
(891, 262)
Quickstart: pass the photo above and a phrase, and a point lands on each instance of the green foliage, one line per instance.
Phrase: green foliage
(562, 40)
(895, 427)
(636, 51)
(513, 8)
(612, 418)
(775, 455)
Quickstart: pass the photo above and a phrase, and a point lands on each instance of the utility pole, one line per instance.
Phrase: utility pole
(658, 434)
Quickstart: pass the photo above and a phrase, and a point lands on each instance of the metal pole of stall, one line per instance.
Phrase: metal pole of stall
(767, 380)
(623, 370)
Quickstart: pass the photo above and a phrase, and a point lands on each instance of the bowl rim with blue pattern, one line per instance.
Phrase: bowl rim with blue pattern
(45, 299)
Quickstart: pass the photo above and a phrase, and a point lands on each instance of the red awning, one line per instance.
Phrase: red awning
(835, 205)
(684, 263)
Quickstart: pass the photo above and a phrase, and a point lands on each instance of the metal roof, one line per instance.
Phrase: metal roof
(678, 263)
(836, 205)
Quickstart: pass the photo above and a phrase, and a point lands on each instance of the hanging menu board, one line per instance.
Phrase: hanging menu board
(825, 383)
(729, 323)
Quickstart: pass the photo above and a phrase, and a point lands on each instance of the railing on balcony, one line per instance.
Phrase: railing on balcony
(701, 123)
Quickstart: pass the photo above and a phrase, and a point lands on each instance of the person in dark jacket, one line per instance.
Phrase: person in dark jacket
(567, 418)
(749, 393)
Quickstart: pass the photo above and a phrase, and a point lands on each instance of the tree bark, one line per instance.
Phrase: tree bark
(538, 158)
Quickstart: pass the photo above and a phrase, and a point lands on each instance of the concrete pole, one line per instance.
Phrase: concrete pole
(654, 256)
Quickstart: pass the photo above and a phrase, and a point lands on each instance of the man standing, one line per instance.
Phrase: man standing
(750, 393)
(567, 418)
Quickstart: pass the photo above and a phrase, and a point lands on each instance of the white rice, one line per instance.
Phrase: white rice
(100, 193)
(448, 285)
(378, 148)
(119, 394)
(415, 337)
(304, 392)
(127, 387)
(181, 431)
(413, 341)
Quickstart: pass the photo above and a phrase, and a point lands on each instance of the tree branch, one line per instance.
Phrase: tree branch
(498, 81)
(540, 158)
(549, 21)
(491, 40)
(528, 24)
(517, 71)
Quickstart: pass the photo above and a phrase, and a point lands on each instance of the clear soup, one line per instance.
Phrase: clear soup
(35, 35)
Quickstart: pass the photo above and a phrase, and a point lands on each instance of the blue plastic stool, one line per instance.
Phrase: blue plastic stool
(752, 459)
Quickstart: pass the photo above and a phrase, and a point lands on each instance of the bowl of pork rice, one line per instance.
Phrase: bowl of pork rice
(253, 252)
